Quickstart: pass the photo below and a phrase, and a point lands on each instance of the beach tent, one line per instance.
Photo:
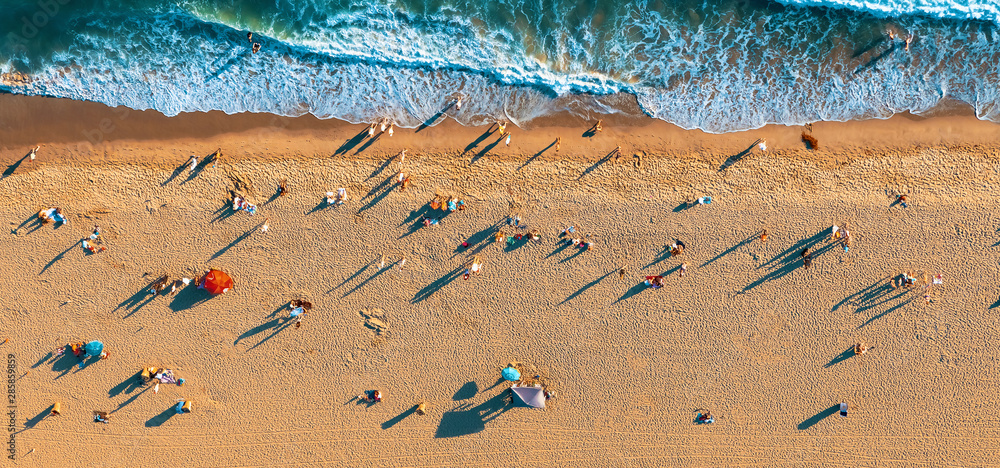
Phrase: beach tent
(511, 374)
(531, 396)
(94, 348)
(218, 282)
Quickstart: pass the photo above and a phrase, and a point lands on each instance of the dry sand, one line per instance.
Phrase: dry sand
(748, 333)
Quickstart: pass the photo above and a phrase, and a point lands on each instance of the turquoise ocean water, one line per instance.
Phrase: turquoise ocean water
(714, 65)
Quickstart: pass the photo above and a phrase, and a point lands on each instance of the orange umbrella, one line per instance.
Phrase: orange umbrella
(217, 282)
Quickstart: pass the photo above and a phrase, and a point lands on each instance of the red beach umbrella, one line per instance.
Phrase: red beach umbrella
(217, 282)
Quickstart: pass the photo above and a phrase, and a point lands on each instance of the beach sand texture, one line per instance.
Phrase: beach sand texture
(748, 333)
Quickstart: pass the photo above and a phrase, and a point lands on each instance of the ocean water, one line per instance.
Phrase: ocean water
(719, 66)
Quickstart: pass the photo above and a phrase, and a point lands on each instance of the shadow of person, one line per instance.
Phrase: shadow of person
(818, 417)
(161, 418)
(400, 417)
(847, 354)
(468, 390)
(468, 419)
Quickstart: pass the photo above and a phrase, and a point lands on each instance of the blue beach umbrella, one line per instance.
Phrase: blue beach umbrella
(511, 374)
(94, 348)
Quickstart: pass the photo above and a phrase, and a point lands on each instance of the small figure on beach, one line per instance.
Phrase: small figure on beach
(507, 142)
(159, 285)
(901, 199)
(763, 236)
(807, 258)
(384, 124)
(31, 154)
(401, 263)
(391, 128)
(336, 198)
(677, 248)
(430, 221)
(458, 103)
(683, 270)
(282, 187)
(264, 228)
(402, 157)
(567, 231)
(371, 129)
(862, 348)
(101, 417)
(705, 418)
(474, 267)
(598, 127)
(193, 162)
(371, 396)
(256, 47)
(621, 274)
(216, 157)
(502, 126)
(843, 410)
(617, 153)
(909, 40)
(558, 143)
(706, 200)
(298, 309)
(762, 145)
(404, 184)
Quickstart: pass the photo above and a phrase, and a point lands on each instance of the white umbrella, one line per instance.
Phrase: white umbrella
(531, 396)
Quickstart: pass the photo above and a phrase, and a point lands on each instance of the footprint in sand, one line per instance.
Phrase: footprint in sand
(375, 320)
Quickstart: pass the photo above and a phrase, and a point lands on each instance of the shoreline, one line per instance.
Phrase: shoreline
(88, 133)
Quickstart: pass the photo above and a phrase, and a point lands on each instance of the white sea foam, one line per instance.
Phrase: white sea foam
(986, 10)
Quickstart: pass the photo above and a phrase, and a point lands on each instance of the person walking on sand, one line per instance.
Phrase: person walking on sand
(862, 348)
(383, 124)
(216, 157)
(684, 269)
(598, 127)
(391, 126)
(762, 145)
(381, 262)
(297, 314)
(902, 200)
(763, 236)
(507, 142)
(31, 154)
(265, 227)
(402, 263)
(621, 274)
(371, 129)
(558, 143)
(193, 162)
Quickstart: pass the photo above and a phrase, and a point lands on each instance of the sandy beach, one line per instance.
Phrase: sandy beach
(748, 333)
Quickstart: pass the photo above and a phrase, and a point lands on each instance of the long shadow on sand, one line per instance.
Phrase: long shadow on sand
(479, 140)
(847, 354)
(13, 167)
(189, 297)
(536, 155)
(58, 257)
(468, 419)
(36, 419)
(789, 260)
(352, 142)
(730, 250)
(276, 326)
(363, 283)
(819, 417)
(377, 194)
(430, 289)
(163, 417)
(599, 163)
(634, 290)
(737, 157)
(586, 287)
(392, 422)
(236, 242)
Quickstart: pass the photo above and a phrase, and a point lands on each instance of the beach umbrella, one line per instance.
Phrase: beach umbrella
(218, 282)
(94, 348)
(511, 374)
(531, 396)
